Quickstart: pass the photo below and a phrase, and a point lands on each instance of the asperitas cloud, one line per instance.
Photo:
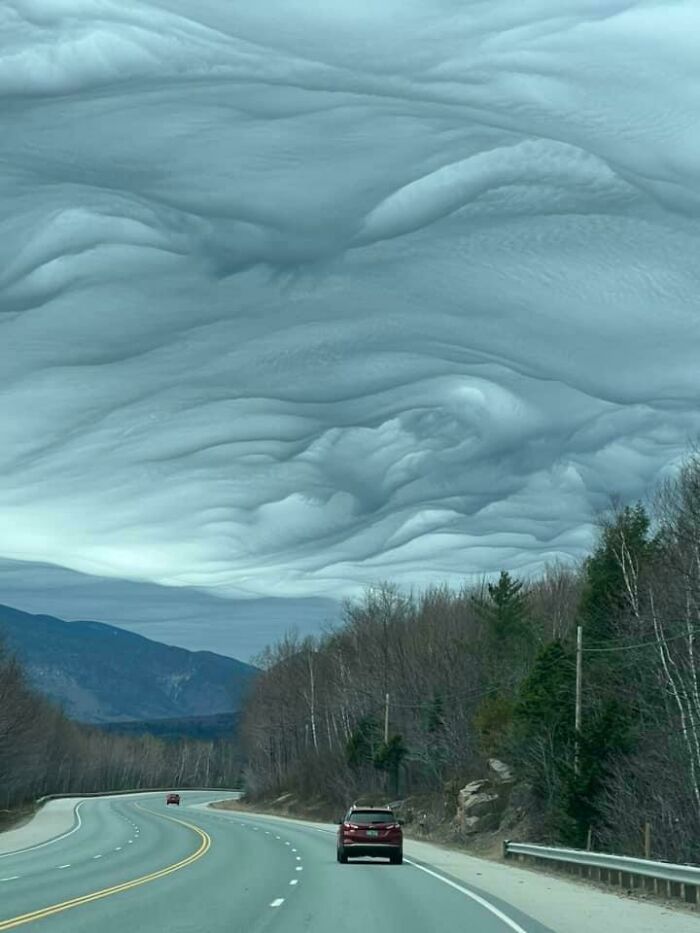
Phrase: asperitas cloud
(295, 296)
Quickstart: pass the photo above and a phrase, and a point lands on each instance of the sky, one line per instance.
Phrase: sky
(303, 295)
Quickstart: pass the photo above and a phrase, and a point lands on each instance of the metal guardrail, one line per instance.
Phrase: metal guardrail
(664, 878)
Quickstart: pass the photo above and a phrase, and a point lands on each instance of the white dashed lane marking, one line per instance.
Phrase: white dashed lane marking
(64, 866)
(278, 902)
(97, 856)
(11, 878)
(294, 881)
(299, 868)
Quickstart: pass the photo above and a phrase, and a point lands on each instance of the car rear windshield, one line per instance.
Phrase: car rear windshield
(371, 816)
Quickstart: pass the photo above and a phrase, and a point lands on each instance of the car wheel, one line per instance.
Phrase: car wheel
(342, 857)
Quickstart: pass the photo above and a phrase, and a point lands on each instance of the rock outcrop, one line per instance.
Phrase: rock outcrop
(481, 805)
(500, 771)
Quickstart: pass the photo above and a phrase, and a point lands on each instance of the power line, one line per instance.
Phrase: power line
(645, 644)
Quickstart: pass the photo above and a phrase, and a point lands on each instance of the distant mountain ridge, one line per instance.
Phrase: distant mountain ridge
(204, 728)
(100, 673)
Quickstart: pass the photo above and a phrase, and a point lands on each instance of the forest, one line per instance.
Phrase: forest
(43, 752)
(412, 693)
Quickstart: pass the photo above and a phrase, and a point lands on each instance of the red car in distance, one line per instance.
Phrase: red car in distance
(372, 831)
(172, 798)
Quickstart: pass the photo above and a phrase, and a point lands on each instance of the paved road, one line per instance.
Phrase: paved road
(134, 865)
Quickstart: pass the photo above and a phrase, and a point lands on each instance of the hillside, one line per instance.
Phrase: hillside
(100, 673)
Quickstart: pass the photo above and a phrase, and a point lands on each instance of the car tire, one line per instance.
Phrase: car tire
(342, 857)
(397, 859)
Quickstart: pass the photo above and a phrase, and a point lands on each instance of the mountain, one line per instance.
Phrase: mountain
(100, 673)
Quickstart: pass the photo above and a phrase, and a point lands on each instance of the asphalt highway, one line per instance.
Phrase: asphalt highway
(131, 864)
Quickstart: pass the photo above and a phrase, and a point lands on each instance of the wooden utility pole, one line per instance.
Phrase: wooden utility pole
(577, 721)
(386, 719)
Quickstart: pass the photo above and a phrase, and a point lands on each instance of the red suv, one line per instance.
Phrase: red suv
(173, 798)
(373, 831)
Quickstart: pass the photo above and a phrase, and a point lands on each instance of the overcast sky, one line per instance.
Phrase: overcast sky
(303, 294)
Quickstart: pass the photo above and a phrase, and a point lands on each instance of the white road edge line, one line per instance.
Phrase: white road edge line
(475, 897)
(13, 878)
(277, 902)
(49, 842)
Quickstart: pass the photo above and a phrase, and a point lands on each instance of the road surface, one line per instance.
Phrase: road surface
(132, 864)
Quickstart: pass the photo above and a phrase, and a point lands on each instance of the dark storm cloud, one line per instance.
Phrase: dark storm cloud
(175, 615)
(300, 295)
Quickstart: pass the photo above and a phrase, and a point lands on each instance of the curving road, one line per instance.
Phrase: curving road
(131, 864)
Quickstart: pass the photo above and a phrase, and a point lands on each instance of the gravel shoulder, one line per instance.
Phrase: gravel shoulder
(558, 903)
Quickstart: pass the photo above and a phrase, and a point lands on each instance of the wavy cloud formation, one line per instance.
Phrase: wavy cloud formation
(299, 295)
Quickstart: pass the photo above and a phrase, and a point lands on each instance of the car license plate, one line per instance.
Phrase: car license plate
(372, 832)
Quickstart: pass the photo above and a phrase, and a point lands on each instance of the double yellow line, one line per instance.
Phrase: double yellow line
(205, 843)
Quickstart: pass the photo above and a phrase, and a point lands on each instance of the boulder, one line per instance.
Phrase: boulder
(478, 807)
(480, 804)
(479, 824)
(499, 803)
(473, 788)
(470, 824)
(500, 771)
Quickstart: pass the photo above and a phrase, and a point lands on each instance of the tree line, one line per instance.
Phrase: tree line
(490, 671)
(43, 752)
